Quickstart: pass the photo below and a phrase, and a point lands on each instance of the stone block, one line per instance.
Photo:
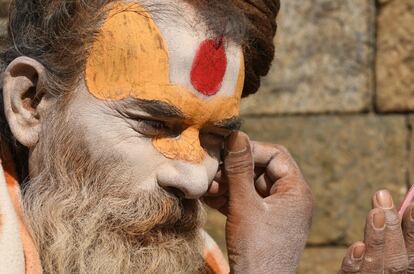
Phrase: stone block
(324, 59)
(323, 260)
(345, 159)
(4, 7)
(395, 60)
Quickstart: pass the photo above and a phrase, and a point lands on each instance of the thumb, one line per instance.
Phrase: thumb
(239, 168)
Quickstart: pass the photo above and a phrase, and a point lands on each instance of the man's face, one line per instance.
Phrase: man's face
(121, 160)
(160, 94)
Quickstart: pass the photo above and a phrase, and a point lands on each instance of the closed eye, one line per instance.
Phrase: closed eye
(153, 128)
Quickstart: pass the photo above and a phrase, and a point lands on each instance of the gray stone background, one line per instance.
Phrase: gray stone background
(339, 97)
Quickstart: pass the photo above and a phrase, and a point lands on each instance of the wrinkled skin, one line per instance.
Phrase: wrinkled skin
(388, 245)
(268, 205)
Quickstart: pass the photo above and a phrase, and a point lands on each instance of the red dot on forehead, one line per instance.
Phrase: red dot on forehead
(209, 67)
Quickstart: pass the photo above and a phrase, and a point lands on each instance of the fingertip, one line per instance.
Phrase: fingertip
(215, 202)
(357, 250)
(382, 199)
(353, 258)
(237, 142)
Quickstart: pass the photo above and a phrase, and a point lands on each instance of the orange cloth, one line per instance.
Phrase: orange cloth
(32, 261)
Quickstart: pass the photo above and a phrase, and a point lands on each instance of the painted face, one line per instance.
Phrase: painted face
(187, 84)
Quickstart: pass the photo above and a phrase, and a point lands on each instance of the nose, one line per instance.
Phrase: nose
(190, 179)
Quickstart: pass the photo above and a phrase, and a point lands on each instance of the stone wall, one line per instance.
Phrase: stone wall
(339, 97)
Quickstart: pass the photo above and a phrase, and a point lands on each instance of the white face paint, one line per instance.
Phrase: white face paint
(184, 37)
(126, 127)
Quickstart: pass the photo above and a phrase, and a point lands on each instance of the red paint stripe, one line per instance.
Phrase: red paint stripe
(209, 67)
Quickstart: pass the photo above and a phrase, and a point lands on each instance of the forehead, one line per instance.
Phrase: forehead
(140, 52)
(200, 60)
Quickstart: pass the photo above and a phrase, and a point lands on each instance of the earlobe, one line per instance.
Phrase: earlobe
(23, 95)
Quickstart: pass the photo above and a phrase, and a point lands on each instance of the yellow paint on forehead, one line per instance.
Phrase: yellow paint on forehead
(130, 59)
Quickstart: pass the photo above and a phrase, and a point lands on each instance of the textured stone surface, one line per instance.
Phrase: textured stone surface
(321, 260)
(395, 61)
(345, 159)
(324, 59)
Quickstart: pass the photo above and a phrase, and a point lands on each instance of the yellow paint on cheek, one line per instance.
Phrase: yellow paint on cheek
(130, 59)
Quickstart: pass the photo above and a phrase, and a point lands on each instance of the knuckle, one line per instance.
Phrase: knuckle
(409, 236)
(392, 219)
(282, 149)
(303, 192)
(349, 265)
(375, 242)
(308, 199)
(397, 270)
(397, 266)
(372, 262)
(238, 165)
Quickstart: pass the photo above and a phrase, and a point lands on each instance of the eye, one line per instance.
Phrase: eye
(152, 128)
(157, 125)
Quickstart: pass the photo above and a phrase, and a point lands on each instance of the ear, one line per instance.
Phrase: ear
(25, 102)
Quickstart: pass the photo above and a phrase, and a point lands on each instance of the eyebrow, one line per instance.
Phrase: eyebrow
(154, 107)
(161, 109)
(232, 124)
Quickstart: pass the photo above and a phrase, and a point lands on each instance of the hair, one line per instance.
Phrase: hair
(59, 33)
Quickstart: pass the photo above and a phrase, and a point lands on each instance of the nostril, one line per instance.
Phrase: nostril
(176, 192)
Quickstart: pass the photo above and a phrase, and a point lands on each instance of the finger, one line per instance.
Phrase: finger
(216, 189)
(353, 259)
(276, 160)
(219, 176)
(282, 172)
(263, 185)
(396, 260)
(408, 230)
(408, 199)
(374, 242)
(215, 202)
(238, 169)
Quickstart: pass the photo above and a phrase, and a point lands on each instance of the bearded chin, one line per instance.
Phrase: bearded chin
(86, 217)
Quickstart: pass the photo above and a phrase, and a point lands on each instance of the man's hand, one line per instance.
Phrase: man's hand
(388, 245)
(267, 203)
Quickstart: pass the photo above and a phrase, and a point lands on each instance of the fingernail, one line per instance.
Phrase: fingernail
(379, 220)
(384, 199)
(358, 251)
(237, 143)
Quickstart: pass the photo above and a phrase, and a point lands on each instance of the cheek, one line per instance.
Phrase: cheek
(109, 138)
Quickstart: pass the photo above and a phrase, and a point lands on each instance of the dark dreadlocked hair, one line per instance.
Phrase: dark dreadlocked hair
(59, 33)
